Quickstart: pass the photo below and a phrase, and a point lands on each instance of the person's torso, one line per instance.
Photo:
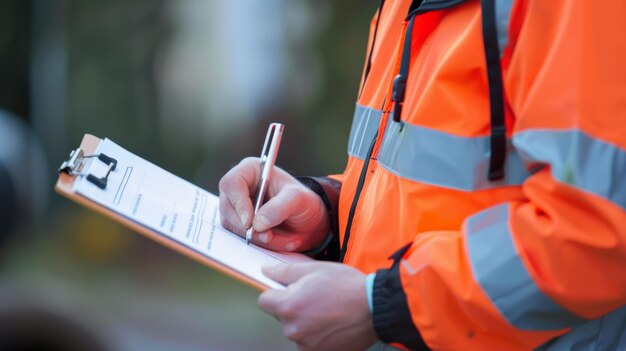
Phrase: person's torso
(429, 171)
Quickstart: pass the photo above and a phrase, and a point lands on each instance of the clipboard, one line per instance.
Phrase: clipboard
(72, 168)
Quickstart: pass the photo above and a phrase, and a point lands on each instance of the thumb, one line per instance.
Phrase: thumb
(290, 203)
(289, 273)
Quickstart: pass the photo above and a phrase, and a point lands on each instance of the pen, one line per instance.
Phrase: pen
(268, 158)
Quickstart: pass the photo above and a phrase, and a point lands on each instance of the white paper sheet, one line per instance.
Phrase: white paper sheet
(173, 207)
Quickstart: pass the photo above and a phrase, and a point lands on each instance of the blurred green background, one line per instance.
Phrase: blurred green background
(190, 85)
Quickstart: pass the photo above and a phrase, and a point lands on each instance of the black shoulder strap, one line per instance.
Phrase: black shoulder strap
(399, 82)
(422, 6)
(494, 77)
(496, 91)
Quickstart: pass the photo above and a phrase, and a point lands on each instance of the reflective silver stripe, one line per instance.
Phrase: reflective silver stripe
(429, 156)
(442, 159)
(578, 159)
(364, 126)
(501, 273)
(503, 16)
(607, 333)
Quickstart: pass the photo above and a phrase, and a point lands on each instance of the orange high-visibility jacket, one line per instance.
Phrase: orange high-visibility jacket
(489, 154)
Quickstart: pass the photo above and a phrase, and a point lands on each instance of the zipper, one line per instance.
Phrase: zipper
(372, 151)
(355, 201)
(396, 92)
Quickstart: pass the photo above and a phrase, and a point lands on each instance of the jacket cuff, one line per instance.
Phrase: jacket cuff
(328, 189)
(369, 289)
(391, 316)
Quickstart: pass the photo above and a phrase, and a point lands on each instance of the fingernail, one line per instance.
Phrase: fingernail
(244, 220)
(261, 223)
(264, 238)
(292, 245)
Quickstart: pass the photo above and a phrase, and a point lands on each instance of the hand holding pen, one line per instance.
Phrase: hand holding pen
(268, 206)
(268, 159)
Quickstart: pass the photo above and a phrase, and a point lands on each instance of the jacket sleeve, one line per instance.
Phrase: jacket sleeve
(328, 189)
(521, 273)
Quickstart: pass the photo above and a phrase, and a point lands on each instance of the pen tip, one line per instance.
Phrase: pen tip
(248, 236)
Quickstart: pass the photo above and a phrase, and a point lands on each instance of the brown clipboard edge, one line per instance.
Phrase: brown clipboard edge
(65, 184)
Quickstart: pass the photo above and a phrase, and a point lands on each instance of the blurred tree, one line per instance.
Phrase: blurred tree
(112, 48)
(15, 39)
(341, 46)
(98, 66)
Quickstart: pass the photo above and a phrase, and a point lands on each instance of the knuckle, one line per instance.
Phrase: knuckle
(250, 160)
(300, 189)
(294, 189)
(287, 310)
(283, 311)
(301, 195)
(263, 302)
(287, 270)
(224, 204)
(225, 183)
(293, 332)
(296, 196)
(269, 303)
(248, 164)
(238, 203)
(231, 178)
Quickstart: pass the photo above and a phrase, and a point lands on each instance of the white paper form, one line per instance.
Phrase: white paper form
(175, 208)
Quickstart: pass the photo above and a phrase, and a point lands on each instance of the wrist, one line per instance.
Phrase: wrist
(321, 247)
(327, 190)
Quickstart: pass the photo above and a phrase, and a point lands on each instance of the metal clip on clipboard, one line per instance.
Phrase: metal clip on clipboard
(74, 165)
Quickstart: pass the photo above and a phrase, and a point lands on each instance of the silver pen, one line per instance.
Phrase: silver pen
(268, 159)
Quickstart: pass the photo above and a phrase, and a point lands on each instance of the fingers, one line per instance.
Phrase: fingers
(335, 317)
(282, 306)
(291, 202)
(276, 241)
(277, 304)
(235, 189)
(227, 215)
(290, 273)
(286, 222)
(270, 302)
